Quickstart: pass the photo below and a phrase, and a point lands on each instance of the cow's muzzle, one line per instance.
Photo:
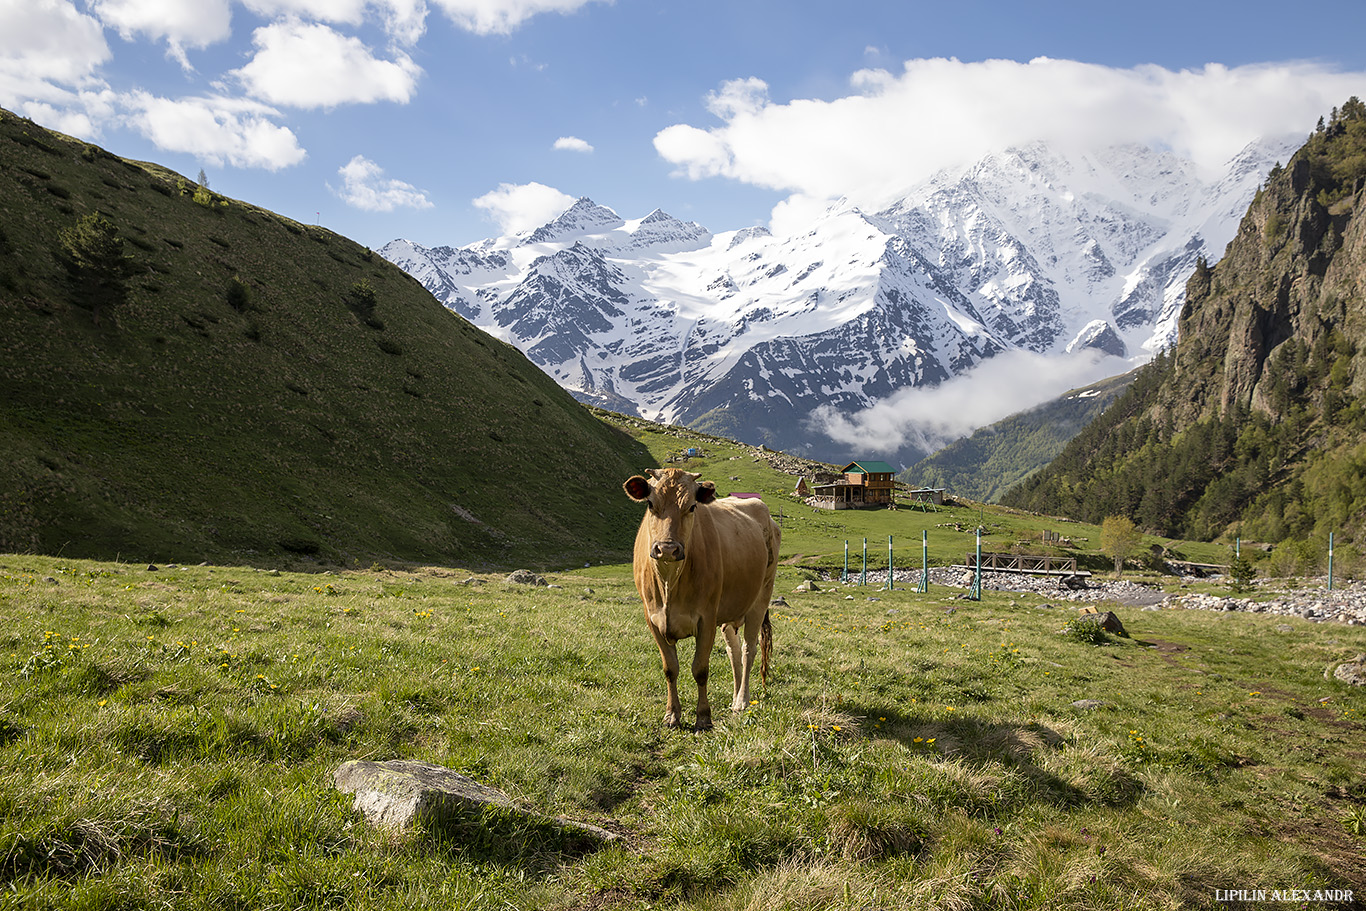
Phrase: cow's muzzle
(667, 551)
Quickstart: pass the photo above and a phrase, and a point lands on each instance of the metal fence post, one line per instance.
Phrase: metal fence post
(975, 592)
(924, 562)
(1330, 561)
(891, 584)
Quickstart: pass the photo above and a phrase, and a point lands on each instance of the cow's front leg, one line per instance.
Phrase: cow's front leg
(701, 659)
(668, 653)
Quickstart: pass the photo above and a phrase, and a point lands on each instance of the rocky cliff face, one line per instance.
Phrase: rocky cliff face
(1254, 424)
(1290, 280)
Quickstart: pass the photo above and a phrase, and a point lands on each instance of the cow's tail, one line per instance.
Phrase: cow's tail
(765, 647)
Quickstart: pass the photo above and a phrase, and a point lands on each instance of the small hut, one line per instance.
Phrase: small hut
(933, 495)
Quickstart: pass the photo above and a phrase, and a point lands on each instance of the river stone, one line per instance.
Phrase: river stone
(398, 793)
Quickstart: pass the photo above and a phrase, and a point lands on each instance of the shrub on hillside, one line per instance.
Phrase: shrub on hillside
(93, 255)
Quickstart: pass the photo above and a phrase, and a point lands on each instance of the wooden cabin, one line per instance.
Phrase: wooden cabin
(864, 484)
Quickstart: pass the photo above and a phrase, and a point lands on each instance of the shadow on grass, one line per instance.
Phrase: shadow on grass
(988, 745)
(79, 845)
(534, 844)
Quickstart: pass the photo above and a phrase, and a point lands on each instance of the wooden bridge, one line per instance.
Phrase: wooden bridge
(1027, 563)
(1188, 568)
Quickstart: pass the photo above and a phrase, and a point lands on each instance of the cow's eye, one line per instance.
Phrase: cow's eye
(692, 508)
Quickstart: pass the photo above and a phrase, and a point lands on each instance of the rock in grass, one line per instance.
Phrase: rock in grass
(526, 577)
(1107, 621)
(1352, 673)
(394, 794)
(398, 794)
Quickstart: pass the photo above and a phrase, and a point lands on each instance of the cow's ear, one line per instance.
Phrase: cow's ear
(637, 488)
(706, 492)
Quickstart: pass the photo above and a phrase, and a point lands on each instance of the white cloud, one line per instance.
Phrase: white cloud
(194, 25)
(501, 17)
(350, 12)
(572, 144)
(894, 130)
(738, 97)
(405, 20)
(46, 40)
(216, 130)
(312, 66)
(365, 187)
(933, 417)
(521, 207)
(72, 121)
(793, 216)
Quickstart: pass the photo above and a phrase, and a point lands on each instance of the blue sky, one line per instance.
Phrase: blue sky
(445, 121)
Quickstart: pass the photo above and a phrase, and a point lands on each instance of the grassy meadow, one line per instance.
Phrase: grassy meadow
(168, 737)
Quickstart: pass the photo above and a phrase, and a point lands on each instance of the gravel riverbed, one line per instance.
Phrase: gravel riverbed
(1346, 603)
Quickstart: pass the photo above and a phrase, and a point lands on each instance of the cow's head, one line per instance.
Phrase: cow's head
(672, 495)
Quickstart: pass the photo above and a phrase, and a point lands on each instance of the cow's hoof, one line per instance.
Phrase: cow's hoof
(703, 724)
(673, 720)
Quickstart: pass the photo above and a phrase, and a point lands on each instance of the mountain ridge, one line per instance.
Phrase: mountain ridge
(758, 331)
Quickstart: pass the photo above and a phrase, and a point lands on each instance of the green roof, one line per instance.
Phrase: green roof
(868, 468)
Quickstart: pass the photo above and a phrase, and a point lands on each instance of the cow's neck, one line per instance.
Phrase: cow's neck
(669, 572)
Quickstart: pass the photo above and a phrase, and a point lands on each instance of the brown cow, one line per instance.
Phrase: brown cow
(701, 563)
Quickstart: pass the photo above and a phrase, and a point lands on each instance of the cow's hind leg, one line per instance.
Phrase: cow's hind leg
(735, 651)
(749, 649)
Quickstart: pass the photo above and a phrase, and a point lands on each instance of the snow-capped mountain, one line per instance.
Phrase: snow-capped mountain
(747, 333)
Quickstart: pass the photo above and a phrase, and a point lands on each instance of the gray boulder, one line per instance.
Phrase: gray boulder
(399, 794)
(1352, 673)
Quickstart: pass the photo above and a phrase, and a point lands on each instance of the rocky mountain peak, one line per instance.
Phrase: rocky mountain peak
(1099, 336)
(583, 217)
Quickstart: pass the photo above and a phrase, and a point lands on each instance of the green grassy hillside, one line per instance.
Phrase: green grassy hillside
(197, 378)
